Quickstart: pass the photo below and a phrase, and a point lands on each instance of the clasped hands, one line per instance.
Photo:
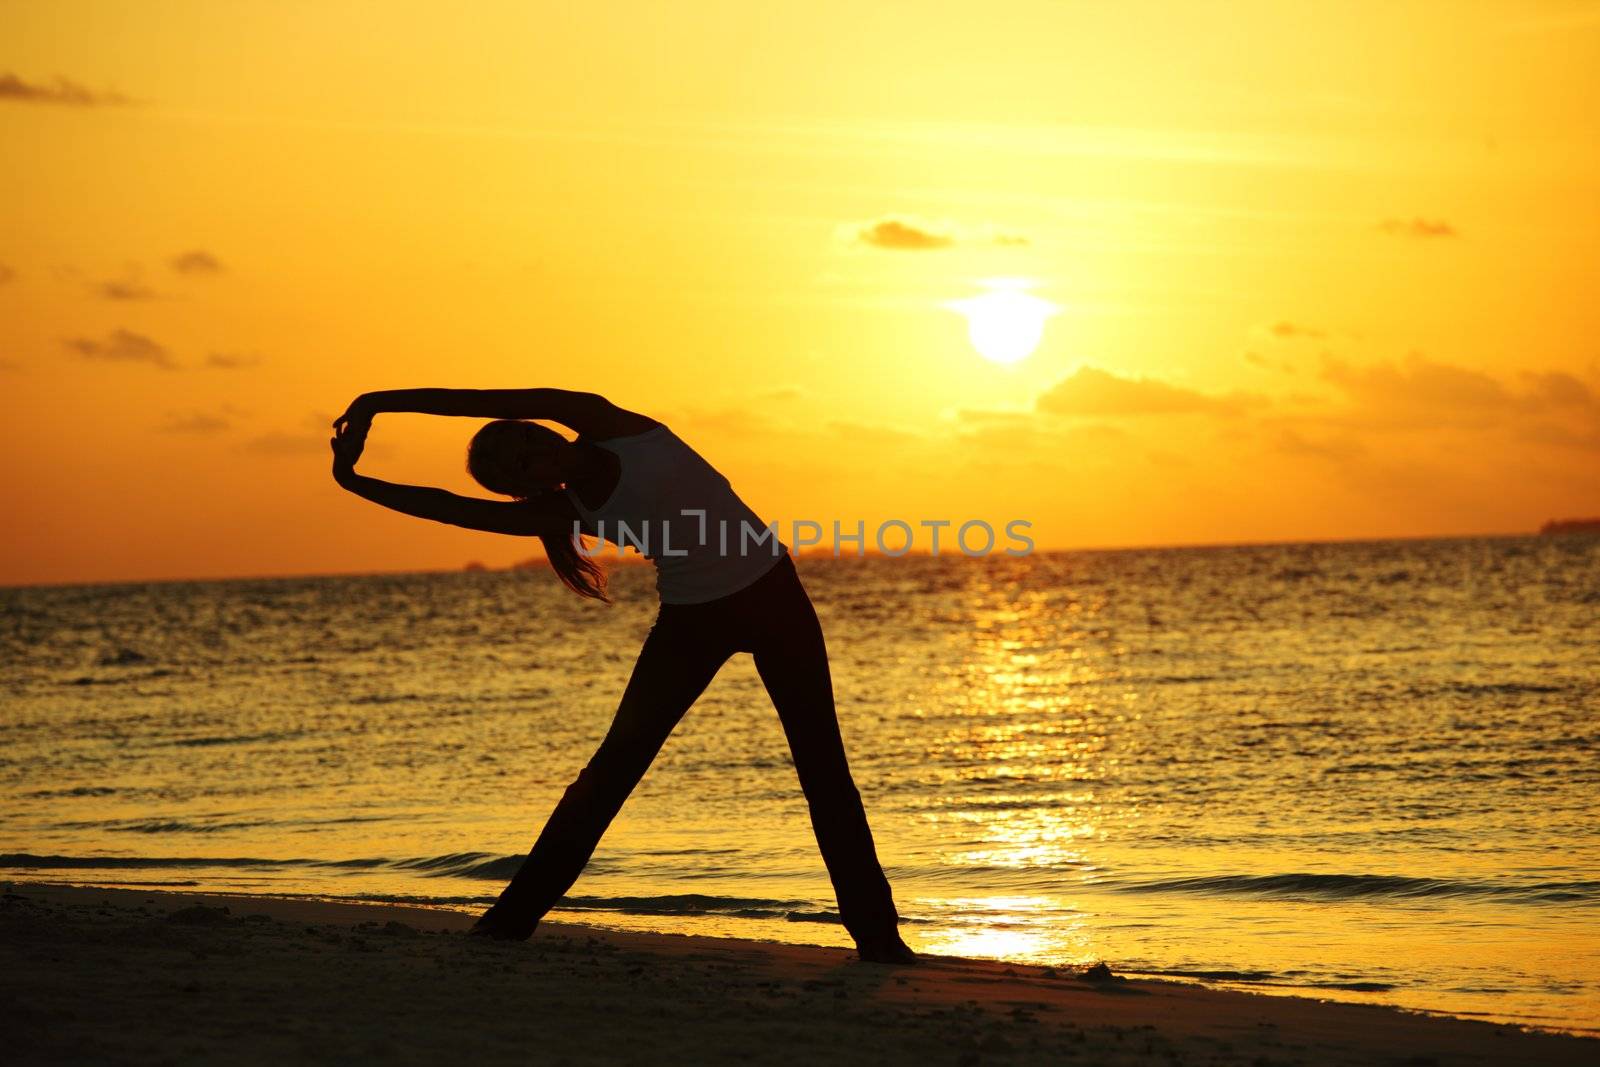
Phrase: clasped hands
(350, 437)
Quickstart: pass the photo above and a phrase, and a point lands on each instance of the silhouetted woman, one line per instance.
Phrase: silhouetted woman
(629, 479)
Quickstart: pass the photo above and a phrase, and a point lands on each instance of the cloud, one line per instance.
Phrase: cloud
(122, 346)
(1546, 433)
(1416, 385)
(279, 443)
(1557, 389)
(196, 261)
(310, 440)
(232, 361)
(6, 274)
(1419, 228)
(1420, 399)
(903, 234)
(908, 233)
(129, 290)
(1292, 331)
(62, 92)
(198, 422)
(781, 393)
(1091, 391)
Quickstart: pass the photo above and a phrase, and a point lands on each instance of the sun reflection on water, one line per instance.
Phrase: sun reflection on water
(1018, 760)
(1024, 928)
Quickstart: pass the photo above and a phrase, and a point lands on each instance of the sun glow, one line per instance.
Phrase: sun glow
(1006, 323)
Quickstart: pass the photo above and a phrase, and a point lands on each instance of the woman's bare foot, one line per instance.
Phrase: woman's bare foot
(886, 950)
(500, 927)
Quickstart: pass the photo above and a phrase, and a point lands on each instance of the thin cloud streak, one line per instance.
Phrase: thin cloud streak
(197, 423)
(129, 290)
(122, 346)
(1420, 228)
(1092, 391)
(232, 361)
(62, 92)
(913, 234)
(196, 261)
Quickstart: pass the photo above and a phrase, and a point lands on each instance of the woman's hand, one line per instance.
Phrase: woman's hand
(358, 416)
(347, 443)
(350, 436)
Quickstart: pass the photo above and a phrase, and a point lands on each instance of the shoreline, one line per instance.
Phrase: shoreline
(136, 975)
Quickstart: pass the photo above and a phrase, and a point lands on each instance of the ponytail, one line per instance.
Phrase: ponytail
(577, 571)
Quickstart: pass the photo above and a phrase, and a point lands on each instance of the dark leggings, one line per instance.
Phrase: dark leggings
(772, 618)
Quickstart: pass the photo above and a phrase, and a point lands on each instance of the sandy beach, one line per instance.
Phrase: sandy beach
(138, 976)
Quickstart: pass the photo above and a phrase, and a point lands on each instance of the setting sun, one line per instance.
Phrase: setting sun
(1005, 324)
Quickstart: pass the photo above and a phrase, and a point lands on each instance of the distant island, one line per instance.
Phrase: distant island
(1558, 527)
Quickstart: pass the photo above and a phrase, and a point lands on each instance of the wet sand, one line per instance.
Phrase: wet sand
(140, 976)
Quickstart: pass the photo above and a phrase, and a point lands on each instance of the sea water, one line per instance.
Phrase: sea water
(1361, 771)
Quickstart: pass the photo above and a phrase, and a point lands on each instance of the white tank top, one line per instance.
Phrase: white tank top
(683, 516)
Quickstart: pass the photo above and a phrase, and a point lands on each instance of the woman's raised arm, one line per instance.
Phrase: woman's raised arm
(519, 518)
(589, 413)
(523, 518)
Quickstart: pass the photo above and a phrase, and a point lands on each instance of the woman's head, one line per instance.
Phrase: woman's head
(515, 458)
(521, 459)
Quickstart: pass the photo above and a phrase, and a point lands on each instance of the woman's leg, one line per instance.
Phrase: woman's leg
(673, 669)
(792, 659)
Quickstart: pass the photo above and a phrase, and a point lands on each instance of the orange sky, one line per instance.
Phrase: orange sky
(1320, 275)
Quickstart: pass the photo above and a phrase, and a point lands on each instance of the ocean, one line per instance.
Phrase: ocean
(1356, 771)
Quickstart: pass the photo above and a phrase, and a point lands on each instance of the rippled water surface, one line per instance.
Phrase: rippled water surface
(1362, 771)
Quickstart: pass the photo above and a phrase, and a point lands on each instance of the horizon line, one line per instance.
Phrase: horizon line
(538, 562)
